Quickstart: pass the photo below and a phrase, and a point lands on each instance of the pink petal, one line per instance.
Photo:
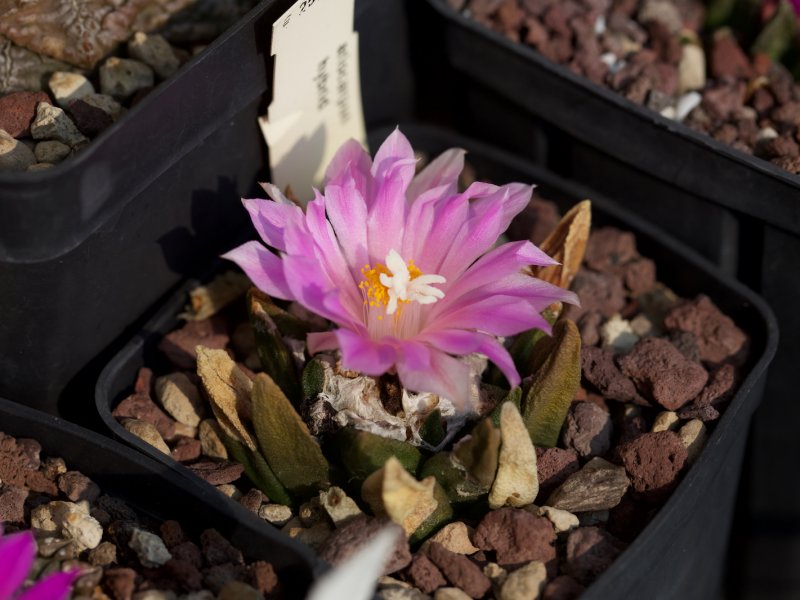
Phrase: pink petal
(443, 171)
(271, 219)
(54, 587)
(352, 157)
(309, 286)
(17, 552)
(461, 343)
(498, 315)
(387, 219)
(445, 376)
(514, 198)
(347, 211)
(421, 216)
(264, 269)
(395, 158)
(364, 355)
(321, 341)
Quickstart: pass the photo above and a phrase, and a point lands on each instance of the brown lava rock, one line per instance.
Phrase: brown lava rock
(179, 345)
(601, 292)
(653, 462)
(217, 550)
(600, 369)
(346, 540)
(517, 537)
(120, 582)
(424, 574)
(590, 551)
(261, 576)
(662, 373)
(609, 248)
(562, 587)
(140, 406)
(217, 473)
(460, 571)
(718, 337)
(12, 504)
(77, 486)
(17, 111)
(553, 466)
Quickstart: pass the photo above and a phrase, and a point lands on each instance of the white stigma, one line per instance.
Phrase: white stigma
(401, 286)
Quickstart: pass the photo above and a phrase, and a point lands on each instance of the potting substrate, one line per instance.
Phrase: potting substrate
(605, 433)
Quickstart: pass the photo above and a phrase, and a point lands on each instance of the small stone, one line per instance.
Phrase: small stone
(617, 334)
(315, 537)
(261, 576)
(211, 440)
(90, 120)
(496, 573)
(67, 87)
(516, 482)
(720, 386)
(563, 587)
(140, 406)
(105, 103)
(120, 582)
(146, 432)
(662, 373)
(425, 575)
(123, 77)
(693, 435)
(517, 537)
(217, 473)
(347, 539)
(42, 166)
(14, 155)
(727, 57)
(667, 420)
(17, 111)
(590, 551)
(587, 429)
(155, 595)
(400, 593)
(237, 590)
(154, 51)
(553, 466)
(723, 100)
(455, 537)
(601, 292)
(77, 486)
(526, 583)
(186, 449)
(188, 552)
(217, 550)
(253, 500)
(450, 593)
(149, 548)
(654, 461)
(230, 490)
(642, 326)
(460, 571)
(277, 514)
(180, 398)
(338, 505)
(594, 517)
(600, 369)
(562, 520)
(599, 485)
(51, 151)
(661, 11)
(52, 123)
(104, 555)
(172, 534)
(12, 504)
(75, 522)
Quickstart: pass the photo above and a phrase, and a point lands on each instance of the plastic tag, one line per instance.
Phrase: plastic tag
(316, 104)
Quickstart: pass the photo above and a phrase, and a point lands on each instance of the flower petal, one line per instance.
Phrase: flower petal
(387, 218)
(347, 211)
(54, 587)
(442, 171)
(395, 159)
(321, 341)
(264, 269)
(271, 219)
(498, 315)
(16, 558)
(352, 156)
(362, 354)
(445, 376)
(461, 343)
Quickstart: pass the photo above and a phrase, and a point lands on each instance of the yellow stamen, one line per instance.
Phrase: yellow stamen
(377, 294)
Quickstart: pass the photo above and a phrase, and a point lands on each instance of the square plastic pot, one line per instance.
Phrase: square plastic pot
(681, 553)
(87, 246)
(151, 489)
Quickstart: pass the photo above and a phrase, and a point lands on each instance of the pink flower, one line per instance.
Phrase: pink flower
(17, 553)
(404, 265)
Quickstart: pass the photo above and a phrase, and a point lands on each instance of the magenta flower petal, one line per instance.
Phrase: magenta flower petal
(352, 156)
(362, 354)
(446, 376)
(271, 218)
(387, 218)
(16, 558)
(264, 268)
(347, 211)
(321, 341)
(395, 160)
(498, 315)
(441, 172)
(54, 587)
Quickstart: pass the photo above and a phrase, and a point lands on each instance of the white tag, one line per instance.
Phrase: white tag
(316, 104)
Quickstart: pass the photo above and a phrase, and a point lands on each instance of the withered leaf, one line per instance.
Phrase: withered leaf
(207, 300)
(516, 482)
(566, 244)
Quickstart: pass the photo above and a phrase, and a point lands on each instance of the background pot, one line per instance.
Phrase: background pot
(150, 488)
(682, 551)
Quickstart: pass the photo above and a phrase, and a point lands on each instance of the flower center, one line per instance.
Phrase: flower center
(398, 283)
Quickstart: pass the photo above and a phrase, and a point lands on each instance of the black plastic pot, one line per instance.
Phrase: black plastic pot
(87, 246)
(152, 489)
(682, 551)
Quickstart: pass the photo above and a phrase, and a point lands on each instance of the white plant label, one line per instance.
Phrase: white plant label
(316, 104)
